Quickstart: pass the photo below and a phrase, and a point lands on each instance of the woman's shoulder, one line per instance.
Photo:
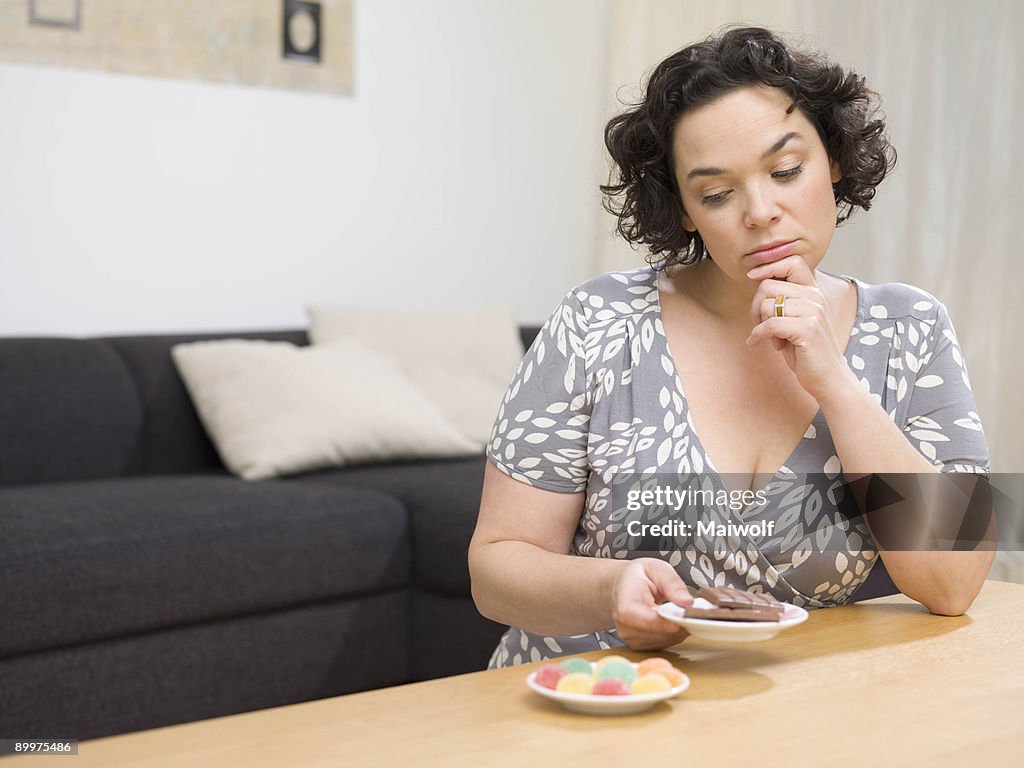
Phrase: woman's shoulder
(897, 301)
(616, 294)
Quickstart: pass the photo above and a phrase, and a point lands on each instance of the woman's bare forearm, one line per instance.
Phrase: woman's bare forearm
(945, 582)
(867, 440)
(522, 585)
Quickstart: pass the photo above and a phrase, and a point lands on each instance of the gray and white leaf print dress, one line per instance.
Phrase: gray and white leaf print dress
(597, 398)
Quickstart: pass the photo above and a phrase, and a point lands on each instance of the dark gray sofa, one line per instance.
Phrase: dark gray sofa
(142, 585)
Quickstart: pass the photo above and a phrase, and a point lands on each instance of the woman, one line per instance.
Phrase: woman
(731, 364)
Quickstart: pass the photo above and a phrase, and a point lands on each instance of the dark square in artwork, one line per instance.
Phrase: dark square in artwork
(300, 30)
(50, 13)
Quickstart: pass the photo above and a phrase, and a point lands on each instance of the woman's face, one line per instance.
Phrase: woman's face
(753, 176)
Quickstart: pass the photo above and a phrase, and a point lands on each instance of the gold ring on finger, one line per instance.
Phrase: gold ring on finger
(780, 306)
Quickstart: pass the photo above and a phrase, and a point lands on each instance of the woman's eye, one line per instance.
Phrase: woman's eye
(712, 199)
(783, 175)
(788, 173)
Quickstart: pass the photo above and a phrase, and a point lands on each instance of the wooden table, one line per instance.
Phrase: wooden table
(878, 683)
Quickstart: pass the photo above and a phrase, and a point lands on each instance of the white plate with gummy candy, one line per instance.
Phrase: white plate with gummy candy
(611, 686)
(731, 631)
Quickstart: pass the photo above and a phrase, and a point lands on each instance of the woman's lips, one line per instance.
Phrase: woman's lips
(774, 253)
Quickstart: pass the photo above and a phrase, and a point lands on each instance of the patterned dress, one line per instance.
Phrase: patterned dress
(596, 406)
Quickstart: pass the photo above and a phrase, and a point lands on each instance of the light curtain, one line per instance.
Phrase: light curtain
(950, 77)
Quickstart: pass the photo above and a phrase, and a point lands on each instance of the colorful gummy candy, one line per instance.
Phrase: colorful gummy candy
(578, 665)
(611, 686)
(660, 666)
(550, 674)
(673, 675)
(619, 668)
(653, 664)
(611, 676)
(576, 682)
(604, 662)
(651, 683)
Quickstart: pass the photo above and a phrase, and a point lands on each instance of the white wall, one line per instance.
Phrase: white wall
(462, 172)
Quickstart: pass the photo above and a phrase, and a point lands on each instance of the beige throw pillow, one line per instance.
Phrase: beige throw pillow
(272, 408)
(463, 360)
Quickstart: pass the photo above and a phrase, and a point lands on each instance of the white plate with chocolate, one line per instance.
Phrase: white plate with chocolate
(731, 615)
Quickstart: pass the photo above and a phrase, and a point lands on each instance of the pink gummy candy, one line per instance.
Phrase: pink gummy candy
(549, 675)
(610, 686)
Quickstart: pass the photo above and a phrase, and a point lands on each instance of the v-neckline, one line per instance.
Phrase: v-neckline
(660, 329)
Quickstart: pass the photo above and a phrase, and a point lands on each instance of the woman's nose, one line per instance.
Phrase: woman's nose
(762, 209)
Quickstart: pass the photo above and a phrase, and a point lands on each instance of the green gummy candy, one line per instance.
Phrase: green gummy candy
(578, 665)
(622, 670)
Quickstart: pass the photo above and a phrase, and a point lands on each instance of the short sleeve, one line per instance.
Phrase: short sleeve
(942, 418)
(540, 434)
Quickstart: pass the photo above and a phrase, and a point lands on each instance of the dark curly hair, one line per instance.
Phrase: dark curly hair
(842, 108)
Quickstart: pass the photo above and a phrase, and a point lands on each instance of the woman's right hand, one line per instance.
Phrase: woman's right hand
(640, 586)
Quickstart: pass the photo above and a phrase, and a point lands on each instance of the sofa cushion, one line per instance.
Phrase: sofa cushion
(442, 497)
(84, 561)
(450, 636)
(172, 440)
(461, 359)
(69, 410)
(215, 668)
(273, 408)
